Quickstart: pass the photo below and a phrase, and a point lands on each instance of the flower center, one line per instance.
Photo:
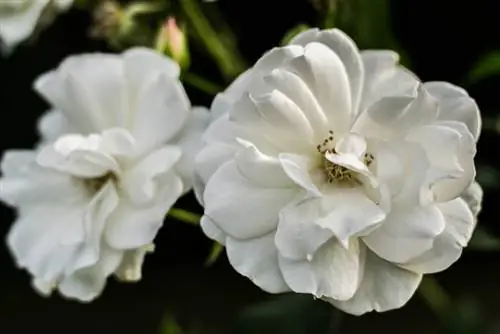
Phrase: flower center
(335, 173)
(93, 185)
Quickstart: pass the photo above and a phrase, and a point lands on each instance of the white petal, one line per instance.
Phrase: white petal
(297, 168)
(78, 155)
(333, 272)
(440, 143)
(25, 183)
(298, 237)
(349, 213)
(384, 287)
(89, 89)
(448, 245)
(140, 182)
(95, 217)
(52, 125)
(212, 231)
(473, 196)
(87, 284)
(257, 259)
(352, 144)
(405, 171)
(130, 269)
(297, 90)
(207, 162)
(384, 77)
(395, 116)
(140, 64)
(263, 170)
(240, 207)
(346, 50)
(45, 239)
(275, 117)
(161, 111)
(406, 233)
(18, 26)
(326, 76)
(450, 188)
(132, 226)
(189, 141)
(456, 105)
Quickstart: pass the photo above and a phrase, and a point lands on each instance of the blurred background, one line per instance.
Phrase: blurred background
(439, 39)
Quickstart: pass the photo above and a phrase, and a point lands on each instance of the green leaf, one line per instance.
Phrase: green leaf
(488, 65)
(482, 240)
(368, 22)
(170, 326)
(185, 216)
(289, 314)
(464, 318)
(215, 252)
(290, 34)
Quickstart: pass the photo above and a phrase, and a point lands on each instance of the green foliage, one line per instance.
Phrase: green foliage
(487, 66)
(482, 240)
(294, 32)
(369, 24)
(170, 326)
(289, 314)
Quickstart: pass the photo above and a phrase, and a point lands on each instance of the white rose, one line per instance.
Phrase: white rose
(116, 153)
(336, 173)
(19, 18)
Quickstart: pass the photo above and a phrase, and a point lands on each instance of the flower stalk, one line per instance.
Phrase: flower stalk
(225, 55)
(185, 216)
(435, 296)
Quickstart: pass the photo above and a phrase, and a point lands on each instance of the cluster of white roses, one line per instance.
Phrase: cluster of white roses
(322, 169)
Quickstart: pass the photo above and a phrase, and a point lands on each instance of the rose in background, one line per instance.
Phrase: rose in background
(337, 173)
(117, 150)
(20, 18)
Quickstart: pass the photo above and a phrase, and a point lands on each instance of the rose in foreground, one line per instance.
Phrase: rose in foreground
(117, 151)
(337, 173)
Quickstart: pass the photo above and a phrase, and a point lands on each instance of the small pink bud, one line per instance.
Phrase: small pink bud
(172, 41)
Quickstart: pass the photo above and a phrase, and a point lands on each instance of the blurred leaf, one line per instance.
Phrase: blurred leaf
(215, 252)
(369, 24)
(488, 176)
(464, 318)
(290, 34)
(185, 216)
(484, 241)
(170, 326)
(289, 314)
(488, 65)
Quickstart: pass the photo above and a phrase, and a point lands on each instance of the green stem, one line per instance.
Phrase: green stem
(435, 296)
(185, 216)
(227, 58)
(201, 83)
(331, 10)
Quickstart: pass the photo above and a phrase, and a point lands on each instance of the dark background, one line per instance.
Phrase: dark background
(443, 39)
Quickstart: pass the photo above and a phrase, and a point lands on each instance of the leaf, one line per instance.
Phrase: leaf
(369, 24)
(215, 252)
(170, 326)
(290, 34)
(289, 314)
(482, 240)
(487, 65)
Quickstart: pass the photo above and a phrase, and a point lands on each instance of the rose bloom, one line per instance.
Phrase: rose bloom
(337, 173)
(20, 18)
(116, 152)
